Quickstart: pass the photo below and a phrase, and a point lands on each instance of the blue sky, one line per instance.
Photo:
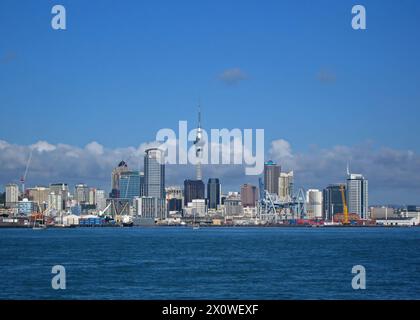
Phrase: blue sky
(122, 71)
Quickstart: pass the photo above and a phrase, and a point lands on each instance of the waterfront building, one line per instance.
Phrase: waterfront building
(115, 179)
(100, 199)
(193, 189)
(55, 201)
(174, 198)
(233, 205)
(213, 193)
(12, 194)
(286, 186)
(196, 207)
(357, 195)
(249, 195)
(130, 184)
(81, 193)
(150, 207)
(332, 201)
(39, 195)
(314, 204)
(154, 173)
(26, 207)
(61, 189)
(271, 177)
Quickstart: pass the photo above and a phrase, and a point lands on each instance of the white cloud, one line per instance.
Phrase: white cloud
(95, 148)
(233, 76)
(43, 146)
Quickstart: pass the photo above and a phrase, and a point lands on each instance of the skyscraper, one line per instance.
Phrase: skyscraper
(213, 193)
(12, 194)
(357, 195)
(271, 177)
(130, 184)
(62, 190)
(115, 179)
(332, 201)
(39, 195)
(314, 203)
(285, 186)
(100, 199)
(154, 173)
(175, 198)
(81, 193)
(249, 195)
(193, 189)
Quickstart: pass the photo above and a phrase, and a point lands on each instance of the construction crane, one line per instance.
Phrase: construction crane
(345, 209)
(23, 178)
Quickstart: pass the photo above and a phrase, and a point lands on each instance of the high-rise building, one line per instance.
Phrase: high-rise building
(271, 177)
(233, 205)
(115, 179)
(314, 203)
(61, 189)
(142, 185)
(150, 207)
(130, 184)
(92, 196)
(332, 201)
(12, 194)
(213, 193)
(81, 193)
(154, 173)
(100, 199)
(55, 201)
(286, 186)
(39, 195)
(357, 195)
(193, 189)
(249, 195)
(175, 198)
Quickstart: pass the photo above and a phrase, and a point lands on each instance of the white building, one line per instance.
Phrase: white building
(197, 207)
(100, 199)
(314, 203)
(357, 195)
(409, 221)
(55, 201)
(12, 194)
(285, 186)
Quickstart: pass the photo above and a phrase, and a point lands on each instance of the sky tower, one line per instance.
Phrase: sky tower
(199, 147)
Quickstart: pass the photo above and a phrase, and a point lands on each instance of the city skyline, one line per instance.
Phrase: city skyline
(231, 176)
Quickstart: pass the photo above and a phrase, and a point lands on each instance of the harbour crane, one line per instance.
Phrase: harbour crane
(345, 209)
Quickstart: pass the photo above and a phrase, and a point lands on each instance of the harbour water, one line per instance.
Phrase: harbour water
(210, 263)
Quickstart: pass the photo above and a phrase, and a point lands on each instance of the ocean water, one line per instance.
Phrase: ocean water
(210, 263)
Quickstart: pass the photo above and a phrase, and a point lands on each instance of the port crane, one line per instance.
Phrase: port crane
(345, 208)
